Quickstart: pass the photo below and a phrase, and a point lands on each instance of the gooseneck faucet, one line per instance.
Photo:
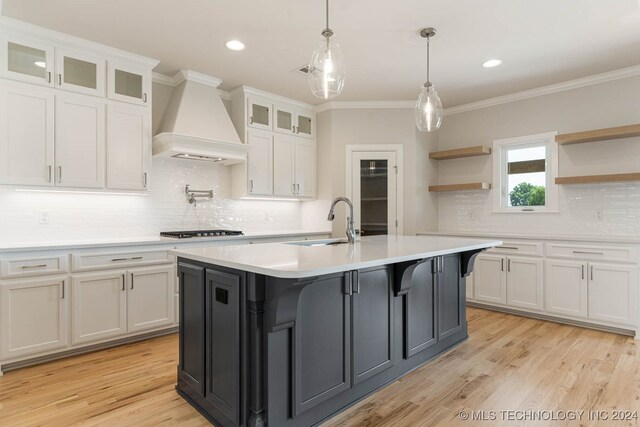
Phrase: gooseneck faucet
(351, 230)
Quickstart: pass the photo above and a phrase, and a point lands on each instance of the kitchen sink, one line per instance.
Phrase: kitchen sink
(312, 243)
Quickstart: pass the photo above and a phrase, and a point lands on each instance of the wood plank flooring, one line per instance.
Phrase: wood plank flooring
(509, 363)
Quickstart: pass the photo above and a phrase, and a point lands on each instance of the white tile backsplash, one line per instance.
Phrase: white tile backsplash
(74, 215)
(619, 203)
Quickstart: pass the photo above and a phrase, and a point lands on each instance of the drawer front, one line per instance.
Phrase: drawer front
(592, 253)
(88, 262)
(25, 267)
(518, 248)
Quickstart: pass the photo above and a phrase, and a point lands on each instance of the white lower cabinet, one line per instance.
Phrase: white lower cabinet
(99, 306)
(566, 288)
(489, 279)
(35, 315)
(506, 280)
(111, 303)
(612, 293)
(151, 297)
(592, 291)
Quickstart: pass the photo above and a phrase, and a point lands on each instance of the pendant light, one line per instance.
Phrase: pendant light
(326, 69)
(429, 107)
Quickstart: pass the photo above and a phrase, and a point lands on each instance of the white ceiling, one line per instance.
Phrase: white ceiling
(539, 41)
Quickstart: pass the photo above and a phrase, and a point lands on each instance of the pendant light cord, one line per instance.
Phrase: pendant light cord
(428, 40)
(327, 13)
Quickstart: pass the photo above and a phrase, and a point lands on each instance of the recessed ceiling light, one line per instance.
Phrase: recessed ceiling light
(492, 63)
(235, 45)
(40, 64)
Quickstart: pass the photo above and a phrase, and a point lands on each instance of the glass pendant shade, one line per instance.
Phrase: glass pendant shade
(326, 69)
(429, 110)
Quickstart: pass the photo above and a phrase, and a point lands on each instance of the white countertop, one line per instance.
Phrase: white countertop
(487, 235)
(292, 261)
(142, 241)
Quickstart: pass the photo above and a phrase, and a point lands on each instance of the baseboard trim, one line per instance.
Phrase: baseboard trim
(621, 331)
(89, 349)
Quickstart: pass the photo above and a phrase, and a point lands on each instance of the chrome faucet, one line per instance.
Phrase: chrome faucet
(351, 230)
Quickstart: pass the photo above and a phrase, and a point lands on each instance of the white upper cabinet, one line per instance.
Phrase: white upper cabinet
(259, 114)
(129, 84)
(284, 148)
(260, 163)
(26, 135)
(26, 60)
(284, 120)
(305, 168)
(128, 147)
(80, 72)
(305, 124)
(80, 141)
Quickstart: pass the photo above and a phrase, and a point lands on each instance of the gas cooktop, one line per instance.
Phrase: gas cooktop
(200, 233)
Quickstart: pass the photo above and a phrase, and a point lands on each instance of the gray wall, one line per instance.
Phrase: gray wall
(603, 105)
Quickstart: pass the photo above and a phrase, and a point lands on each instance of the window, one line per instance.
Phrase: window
(524, 172)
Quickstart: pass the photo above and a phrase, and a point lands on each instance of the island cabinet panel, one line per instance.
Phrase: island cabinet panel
(192, 311)
(322, 341)
(420, 313)
(372, 323)
(222, 342)
(451, 314)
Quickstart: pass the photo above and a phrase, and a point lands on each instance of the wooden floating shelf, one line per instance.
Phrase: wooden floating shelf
(594, 179)
(480, 150)
(628, 131)
(461, 187)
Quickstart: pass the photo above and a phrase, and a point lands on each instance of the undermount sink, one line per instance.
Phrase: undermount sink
(311, 243)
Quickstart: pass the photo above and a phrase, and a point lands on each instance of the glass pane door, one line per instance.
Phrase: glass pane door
(80, 73)
(374, 177)
(26, 61)
(128, 84)
(374, 192)
(304, 125)
(259, 115)
(284, 121)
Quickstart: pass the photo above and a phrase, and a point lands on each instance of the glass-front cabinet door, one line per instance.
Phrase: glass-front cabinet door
(28, 61)
(78, 72)
(283, 119)
(305, 124)
(128, 84)
(259, 114)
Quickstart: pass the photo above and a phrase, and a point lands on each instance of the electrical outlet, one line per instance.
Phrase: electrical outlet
(598, 216)
(43, 217)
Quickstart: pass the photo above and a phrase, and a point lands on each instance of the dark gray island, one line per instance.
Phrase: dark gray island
(288, 334)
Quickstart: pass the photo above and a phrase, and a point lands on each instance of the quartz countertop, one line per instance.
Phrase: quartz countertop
(556, 237)
(143, 241)
(286, 260)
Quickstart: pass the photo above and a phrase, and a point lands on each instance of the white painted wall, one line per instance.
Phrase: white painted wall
(603, 105)
(338, 128)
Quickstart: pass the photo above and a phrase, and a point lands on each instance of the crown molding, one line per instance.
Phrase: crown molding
(348, 105)
(264, 94)
(491, 102)
(183, 75)
(547, 90)
(26, 30)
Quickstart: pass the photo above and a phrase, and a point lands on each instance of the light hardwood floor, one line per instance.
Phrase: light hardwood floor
(509, 363)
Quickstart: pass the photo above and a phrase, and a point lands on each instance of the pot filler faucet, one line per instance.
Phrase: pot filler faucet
(351, 231)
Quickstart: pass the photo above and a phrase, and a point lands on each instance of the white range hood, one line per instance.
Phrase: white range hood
(196, 125)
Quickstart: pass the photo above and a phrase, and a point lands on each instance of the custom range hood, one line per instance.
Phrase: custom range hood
(196, 125)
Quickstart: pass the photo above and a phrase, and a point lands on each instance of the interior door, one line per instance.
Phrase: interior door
(374, 192)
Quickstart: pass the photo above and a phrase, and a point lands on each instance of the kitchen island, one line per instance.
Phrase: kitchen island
(288, 334)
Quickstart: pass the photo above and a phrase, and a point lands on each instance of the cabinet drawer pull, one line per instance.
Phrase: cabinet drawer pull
(508, 247)
(48, 76)
(25, 267)
(144, 98)
(63, 285)
(502, 264)
(356, 282)
(126, 259)
(50, 173)
(251, 120)
(592, 272)
(119, 259)
(131, 280)
(251, 186)
(347, 284)
(59, 79)
(145, 180)
(582, 271)
(588, 252)
(508, 265)
(60, 174)
(135, 258)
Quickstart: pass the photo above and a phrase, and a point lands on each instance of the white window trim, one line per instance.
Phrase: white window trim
(500, 173)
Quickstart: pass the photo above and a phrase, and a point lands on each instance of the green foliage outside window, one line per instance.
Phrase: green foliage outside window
(525, 194)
